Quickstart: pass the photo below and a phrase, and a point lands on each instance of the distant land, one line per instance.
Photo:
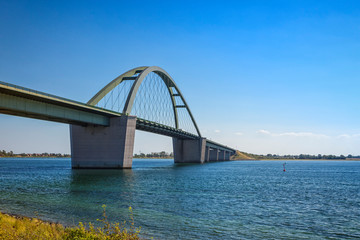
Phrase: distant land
(164, 155)
(161, 154)
(249, 156)
(11, 154)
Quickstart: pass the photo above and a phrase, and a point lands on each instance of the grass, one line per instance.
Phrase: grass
(241, 156)
(31, 228)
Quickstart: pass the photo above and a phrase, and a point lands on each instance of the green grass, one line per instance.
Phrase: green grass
(31, 228)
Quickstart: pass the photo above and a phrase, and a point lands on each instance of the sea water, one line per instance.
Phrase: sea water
(221, 200)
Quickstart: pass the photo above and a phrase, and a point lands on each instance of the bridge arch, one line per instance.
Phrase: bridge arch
(138, 75)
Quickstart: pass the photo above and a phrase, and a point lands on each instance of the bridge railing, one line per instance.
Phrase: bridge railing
(155, 127)
(218, 145)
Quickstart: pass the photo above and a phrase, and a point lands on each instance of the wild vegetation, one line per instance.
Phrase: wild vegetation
(12, 228)
(241, 156)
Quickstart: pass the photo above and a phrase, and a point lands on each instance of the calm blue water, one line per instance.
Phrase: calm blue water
(223, 200)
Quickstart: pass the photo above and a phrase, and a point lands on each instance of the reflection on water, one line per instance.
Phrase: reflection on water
(224, 200)
(106, 178)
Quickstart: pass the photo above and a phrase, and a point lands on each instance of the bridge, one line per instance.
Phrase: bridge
(102, 131)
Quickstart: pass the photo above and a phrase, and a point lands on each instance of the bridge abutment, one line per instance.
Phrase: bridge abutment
(189, 151)
(103, 147)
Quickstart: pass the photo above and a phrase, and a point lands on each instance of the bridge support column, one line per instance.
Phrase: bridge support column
(207, 154)
(189, 151)
(103, 147)
(221, 155)
(227, 156)
(214, 155)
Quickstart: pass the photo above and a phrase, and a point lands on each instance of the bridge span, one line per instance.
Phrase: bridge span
(102, 131)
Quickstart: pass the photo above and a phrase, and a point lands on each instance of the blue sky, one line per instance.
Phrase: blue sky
(276, 77)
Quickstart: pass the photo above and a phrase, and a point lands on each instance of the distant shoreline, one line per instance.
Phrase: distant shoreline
(301, 157)
(328, 159)
(34, 157)
(270, 159)
(70, 157)
(284, 160)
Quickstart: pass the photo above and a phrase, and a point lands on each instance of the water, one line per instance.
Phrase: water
(223, 200)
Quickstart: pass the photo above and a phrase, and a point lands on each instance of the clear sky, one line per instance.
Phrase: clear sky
(278, 77)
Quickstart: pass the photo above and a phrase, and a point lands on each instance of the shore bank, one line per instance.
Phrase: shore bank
(14, 226)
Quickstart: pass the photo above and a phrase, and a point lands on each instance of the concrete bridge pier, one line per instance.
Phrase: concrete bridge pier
(189, 151)
(214, 155)
(207, 154)
(103, 147)
(227, 155)
(221, 156)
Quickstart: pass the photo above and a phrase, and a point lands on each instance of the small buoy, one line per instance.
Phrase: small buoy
(284, 167)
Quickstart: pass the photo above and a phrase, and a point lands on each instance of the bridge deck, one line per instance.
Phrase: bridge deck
(25, 102)
(219, 146)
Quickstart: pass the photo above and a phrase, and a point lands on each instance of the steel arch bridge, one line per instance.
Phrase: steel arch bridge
(103, 130)
(138, 76)
(150, 94)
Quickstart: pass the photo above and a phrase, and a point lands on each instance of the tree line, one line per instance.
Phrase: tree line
(161, 154)
(3, 153)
